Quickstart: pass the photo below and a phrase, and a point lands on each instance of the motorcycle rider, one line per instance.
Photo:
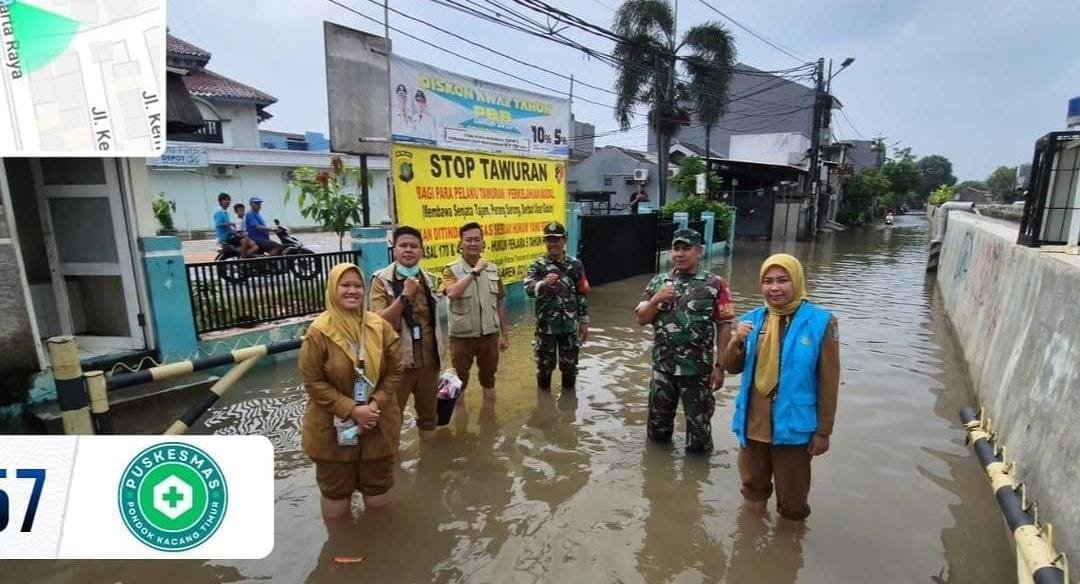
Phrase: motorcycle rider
(258, 231)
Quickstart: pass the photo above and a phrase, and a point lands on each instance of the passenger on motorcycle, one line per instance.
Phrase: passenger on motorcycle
(239, 238)
(257, 230)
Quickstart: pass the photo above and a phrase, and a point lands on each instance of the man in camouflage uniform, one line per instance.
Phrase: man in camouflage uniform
(691, 312)
(558, 284)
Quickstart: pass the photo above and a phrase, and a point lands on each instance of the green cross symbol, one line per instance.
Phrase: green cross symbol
(172, 497)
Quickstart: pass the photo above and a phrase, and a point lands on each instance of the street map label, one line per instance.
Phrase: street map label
(82, 78)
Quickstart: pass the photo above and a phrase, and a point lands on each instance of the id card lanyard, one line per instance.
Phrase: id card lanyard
(362, 385)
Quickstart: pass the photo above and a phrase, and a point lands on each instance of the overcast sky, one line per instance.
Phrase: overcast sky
(975, 80)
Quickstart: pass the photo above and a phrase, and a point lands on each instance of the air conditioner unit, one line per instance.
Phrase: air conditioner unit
(641, 174)
(223, 171)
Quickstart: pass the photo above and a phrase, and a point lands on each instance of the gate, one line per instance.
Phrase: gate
(614, 247)
(753, 213)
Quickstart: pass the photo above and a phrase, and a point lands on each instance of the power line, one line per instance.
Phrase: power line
(491, 50)
(761, 38)
(851, 125)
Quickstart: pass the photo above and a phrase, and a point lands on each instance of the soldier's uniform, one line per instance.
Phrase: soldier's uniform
(560, 309)
(683, 350)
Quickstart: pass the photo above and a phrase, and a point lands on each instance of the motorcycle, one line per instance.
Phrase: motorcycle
(889, 219)
(294, 258)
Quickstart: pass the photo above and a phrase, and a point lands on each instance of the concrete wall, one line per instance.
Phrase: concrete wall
(195, 192)
(1015, 311)
(18, 354)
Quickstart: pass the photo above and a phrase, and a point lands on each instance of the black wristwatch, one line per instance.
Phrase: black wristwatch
(475, 273)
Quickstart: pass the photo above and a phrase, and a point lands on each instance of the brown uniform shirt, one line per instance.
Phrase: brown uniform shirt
(759, 414)
(424, 354)
(328, 377)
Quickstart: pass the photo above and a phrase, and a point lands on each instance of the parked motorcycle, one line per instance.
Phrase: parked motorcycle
(294, 258)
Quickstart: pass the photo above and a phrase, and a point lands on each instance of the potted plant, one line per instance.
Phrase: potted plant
(163, 210)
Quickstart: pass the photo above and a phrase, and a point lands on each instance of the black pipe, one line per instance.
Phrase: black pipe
(147, 375)
(1010, 502)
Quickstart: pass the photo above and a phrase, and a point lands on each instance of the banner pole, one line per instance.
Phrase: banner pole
(391, 206)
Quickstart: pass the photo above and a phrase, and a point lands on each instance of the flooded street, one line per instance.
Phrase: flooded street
(564, 488)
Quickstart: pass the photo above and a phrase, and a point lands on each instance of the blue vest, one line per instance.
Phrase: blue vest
(794, 412)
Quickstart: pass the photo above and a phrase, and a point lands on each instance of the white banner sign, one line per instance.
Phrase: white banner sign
(136, 497)
(446, 110)
(180, 157)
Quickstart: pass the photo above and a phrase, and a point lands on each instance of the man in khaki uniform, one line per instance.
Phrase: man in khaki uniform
(404, 295)
(477, 310)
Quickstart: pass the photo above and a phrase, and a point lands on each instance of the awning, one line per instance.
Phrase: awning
(181, 113)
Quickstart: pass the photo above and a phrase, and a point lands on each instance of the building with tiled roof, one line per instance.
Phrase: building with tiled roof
(223, 151)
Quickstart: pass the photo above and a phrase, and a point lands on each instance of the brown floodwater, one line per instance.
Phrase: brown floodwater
(564, 487)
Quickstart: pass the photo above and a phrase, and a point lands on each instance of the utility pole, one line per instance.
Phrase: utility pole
(391, 203)
(815, 144)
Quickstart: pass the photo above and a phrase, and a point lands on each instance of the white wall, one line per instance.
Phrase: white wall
(195, 192)
(777, 148)
(241, 125)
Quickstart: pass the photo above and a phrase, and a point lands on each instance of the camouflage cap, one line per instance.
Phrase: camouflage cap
(554, 229)
(687, 236)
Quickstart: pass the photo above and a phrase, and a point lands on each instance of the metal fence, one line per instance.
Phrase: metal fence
(247, 292)
(665, 231)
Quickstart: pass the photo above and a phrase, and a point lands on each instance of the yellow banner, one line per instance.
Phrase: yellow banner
(512, 198)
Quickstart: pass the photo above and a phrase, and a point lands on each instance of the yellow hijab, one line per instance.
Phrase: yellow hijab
(349, 329)
(767, 367)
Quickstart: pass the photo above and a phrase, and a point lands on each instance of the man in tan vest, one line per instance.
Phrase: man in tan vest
(477, 310)
(404, 295)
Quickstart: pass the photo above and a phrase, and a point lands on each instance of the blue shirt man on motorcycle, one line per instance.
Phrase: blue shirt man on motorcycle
(257, 229)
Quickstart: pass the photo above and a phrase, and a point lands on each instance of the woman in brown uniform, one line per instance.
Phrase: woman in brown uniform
(785, 408)
(344, 345)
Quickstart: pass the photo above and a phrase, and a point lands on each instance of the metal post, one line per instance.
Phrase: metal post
(365, 195)
(99, 402)
(391, 203)
(70, 390)
(815, 145)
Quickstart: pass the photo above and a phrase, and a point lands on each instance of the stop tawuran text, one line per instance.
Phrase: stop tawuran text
(463, 167)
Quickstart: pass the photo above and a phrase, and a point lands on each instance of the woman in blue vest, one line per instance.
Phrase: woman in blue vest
(790, 351)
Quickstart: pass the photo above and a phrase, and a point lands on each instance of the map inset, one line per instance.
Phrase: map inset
(82, 77)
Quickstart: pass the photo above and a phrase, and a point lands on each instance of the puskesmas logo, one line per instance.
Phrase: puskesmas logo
(173, 497)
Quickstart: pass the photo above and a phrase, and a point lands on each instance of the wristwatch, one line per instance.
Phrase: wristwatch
(475, 273)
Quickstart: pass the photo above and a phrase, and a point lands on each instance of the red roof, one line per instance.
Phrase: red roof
(206, 83)
(176, 46)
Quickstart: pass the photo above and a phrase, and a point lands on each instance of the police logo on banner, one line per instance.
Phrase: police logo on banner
(173, 497)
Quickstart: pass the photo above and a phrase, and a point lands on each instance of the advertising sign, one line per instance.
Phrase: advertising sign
(436, 108)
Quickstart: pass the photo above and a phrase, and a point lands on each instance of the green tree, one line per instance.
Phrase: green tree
(324, 198)
(1002, 182)
(942, 194)
(861, 192)
(934, 170)
(647, 70)
(685, 181)
(903, 176)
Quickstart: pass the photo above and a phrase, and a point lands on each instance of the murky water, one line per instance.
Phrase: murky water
(564, 488)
